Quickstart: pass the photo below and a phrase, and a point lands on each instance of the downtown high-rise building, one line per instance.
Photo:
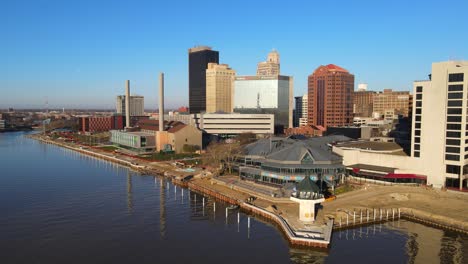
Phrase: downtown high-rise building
(440, 124)
(199, 57)
(265, 95)
(137, 105)
(300, 114)
(271, 66)
(330, 96)
(219, 88)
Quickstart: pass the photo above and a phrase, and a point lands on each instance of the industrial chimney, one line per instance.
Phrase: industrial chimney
(161, 102)
(127, 104)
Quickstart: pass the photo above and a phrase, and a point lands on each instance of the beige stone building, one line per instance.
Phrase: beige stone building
(271, 66)
(439, 141)
(174, 136)
(389, 99)
(219, 88)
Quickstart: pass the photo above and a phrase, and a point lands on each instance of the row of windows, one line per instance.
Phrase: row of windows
(452, 157)
(455, 88)
(453, 134)
(454, 118)
(455, 96)
(456, 77)
(454, 111)
(452, 169)
(302, 170)
(455, 103)
(454, 142)
(453, 127)
(452, 150)
(417, 131)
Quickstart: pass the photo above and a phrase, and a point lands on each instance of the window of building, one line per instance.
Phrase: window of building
(417, 147)
(417, 132)
(454, 111)
(455, 88)
(416, 154)
(419, 97)
(453, 126)
(419, 89)
(452, 169)
(417, 125)
(418, 104)
(452, 157)
(418, 111)
(454, 142)
(417, 140)
(455, 103)
(454, 118)
(452, 150)
(456, 77)
(453, 134)
(455, 95)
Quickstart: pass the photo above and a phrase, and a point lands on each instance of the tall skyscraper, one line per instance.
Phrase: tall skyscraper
(219, 88)
(199, 57)
(397, 101)
(265, 95)
(330, 90)
(300, 118)
(271, 67)
(440, 134)
(137, 105)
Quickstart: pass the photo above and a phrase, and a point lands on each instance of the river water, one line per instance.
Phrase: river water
(59, 206)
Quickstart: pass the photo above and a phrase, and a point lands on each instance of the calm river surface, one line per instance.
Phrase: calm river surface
(59, 206)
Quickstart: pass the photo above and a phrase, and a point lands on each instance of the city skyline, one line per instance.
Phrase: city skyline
(79, 58)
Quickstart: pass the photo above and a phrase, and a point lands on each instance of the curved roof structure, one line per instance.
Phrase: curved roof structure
(307, 185)
(294, 150)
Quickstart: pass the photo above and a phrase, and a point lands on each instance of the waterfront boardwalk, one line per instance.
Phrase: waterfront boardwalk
(445, 209)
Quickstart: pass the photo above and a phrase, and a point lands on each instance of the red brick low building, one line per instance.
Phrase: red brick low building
(94, 124)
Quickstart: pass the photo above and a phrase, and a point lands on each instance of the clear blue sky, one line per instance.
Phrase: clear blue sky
(79, 53)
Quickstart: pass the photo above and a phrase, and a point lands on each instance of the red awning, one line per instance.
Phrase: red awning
(405, 176)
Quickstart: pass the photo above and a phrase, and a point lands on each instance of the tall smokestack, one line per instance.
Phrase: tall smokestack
(161, 101)
(127, 103)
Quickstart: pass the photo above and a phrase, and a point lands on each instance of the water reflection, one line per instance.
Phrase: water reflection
(129, 192)
(162, 208)
(105, 210)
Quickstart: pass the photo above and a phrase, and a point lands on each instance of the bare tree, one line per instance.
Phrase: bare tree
(218, 154)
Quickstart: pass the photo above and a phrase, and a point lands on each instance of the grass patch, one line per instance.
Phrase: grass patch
(343, 189)
(109, 148)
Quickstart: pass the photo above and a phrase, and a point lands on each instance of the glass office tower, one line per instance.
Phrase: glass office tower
(199, 57)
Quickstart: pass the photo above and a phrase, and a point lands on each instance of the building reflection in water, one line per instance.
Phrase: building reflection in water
(309, 256)
(424, 244)
(129, 192)
(162, 208)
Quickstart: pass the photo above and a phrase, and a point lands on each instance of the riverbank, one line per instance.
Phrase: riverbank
(429, 206)
(284, 216)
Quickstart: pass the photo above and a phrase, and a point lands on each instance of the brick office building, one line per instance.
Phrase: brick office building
(330, 96)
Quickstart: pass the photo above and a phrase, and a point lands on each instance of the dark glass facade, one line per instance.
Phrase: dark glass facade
(198, 62)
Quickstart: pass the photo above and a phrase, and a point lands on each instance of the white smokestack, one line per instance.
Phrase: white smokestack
(127, 103)
(161, 101)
